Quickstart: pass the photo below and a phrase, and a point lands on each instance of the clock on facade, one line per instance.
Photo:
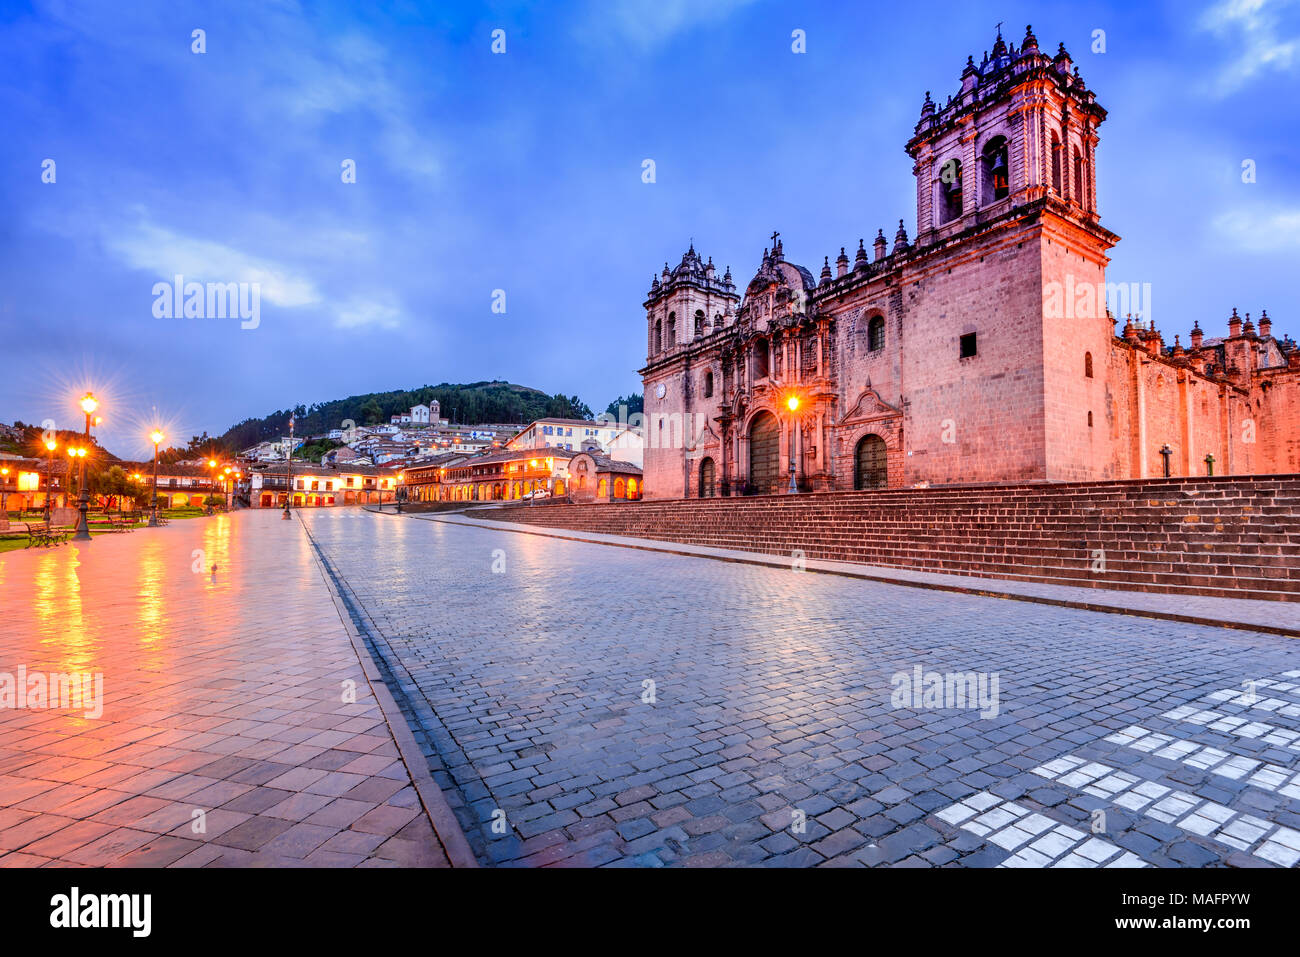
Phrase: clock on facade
(661, 391)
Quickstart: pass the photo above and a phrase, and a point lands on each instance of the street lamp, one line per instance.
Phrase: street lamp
(157, 437)
(50, 446)
(1166, 451)
(4, 492)
(225, 483)
(1209, 465)
(792, 403)
(88, 405)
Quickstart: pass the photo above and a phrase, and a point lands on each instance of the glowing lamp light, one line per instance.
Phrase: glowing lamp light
(88, 403)
(51, 445)
(792, 403)
(157, 436)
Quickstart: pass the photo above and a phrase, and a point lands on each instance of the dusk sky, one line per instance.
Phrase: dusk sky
(522, 171)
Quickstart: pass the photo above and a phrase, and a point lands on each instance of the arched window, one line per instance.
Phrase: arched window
(760, 359)
(659, 335)
(1090, 419)
(620, 488)
(876, 334)
(950, 190)
(707, 473)
(708, 384)
(1057, 185)
(699, 323)
(1077, 194)
(602, 489)
(631, 488)
(1087, 364)
(997, 182)
(672, 329)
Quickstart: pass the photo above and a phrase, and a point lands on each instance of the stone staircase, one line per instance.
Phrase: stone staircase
(1234, 537)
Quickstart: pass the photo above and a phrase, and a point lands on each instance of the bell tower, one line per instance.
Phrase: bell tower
(687, 303)
(1023, 126)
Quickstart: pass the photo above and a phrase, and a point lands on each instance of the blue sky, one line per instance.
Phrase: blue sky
(522, 171)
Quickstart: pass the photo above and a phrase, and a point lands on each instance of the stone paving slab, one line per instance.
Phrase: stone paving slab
(223, 704)
(592, 706)
(1277, 617)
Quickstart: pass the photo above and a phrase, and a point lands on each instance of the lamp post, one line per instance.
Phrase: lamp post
(1166, 451)
(792, 403)
(4, 493)
(225, 486)
(88, 405)
(50, 445)
(288, 481)
(1209, 465)
(157, 438)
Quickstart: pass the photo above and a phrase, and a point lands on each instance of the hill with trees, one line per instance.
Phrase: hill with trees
(475, 403)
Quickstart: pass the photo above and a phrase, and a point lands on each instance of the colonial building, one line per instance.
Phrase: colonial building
(575, 435)
(317, 486)
(982, 350)
(600, 478)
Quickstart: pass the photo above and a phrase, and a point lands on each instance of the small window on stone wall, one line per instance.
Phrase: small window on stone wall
(708, 384)
(1090, 420)
(1087, 366)
(876, 334)
(968, 345)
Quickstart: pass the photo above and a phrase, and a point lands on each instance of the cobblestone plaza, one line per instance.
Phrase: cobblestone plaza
(772, 708)
(587, 705)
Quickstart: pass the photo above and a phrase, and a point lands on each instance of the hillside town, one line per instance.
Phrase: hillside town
(417, 456)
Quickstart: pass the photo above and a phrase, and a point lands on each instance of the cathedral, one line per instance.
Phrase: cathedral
(981, 349)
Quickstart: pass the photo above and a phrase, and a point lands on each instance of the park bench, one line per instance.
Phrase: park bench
(43, 533)
(127, 520)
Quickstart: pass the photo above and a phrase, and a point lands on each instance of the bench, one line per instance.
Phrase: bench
(43, 533)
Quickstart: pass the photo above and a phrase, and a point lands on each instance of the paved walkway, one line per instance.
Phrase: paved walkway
(225, 737)
(590, 705)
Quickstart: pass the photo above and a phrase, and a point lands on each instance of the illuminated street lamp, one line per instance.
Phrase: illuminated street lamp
(88, 405)
(225, 483)
(792, 403)
(4, 491)
(157, 437)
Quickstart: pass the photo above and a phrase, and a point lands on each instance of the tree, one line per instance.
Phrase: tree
(634, 402)
(114, 484)
(371, 412)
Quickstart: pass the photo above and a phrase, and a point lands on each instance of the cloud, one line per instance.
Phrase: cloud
(358, 313)
(166, 253)
(646, 24)
(1257, 39)
(1260, 230)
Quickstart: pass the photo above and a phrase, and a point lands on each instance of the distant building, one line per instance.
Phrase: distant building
(317, 486)
(598, 478)
(497, 476)
(573, 435)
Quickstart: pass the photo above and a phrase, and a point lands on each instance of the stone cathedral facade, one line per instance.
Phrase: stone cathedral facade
(979, 350)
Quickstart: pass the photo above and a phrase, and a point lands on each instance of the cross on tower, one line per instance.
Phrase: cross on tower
(775, 234)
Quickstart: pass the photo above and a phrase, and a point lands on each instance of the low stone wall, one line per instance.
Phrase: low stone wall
(1228, 537)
